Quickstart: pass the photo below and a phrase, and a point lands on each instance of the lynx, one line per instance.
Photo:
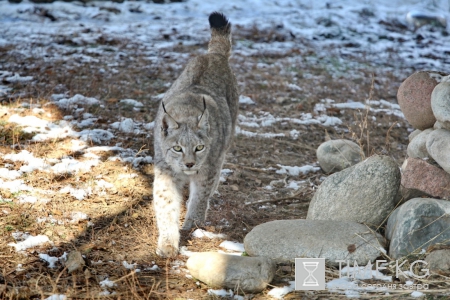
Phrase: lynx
(194, 128)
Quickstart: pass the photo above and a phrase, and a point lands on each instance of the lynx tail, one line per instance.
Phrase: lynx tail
(220, 34)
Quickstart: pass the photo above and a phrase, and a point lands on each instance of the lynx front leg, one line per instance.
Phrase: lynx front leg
(200, 191)
(167, 198)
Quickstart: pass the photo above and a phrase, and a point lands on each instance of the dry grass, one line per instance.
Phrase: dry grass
(123, 225)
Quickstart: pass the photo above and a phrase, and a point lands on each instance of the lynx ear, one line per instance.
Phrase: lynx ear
(203, 122)
(168, 121)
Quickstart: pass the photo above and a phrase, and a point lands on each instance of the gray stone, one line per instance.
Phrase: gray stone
(417, 148)
(243, 273)
(439, 261)
(336, 155)
(285, 240)
(438, 125)
(438, 147)
(413, 134)
(418, 224)
(74, 261)
(440, 102)
(364, 193)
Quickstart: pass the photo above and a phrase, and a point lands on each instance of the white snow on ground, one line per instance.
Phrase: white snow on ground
(417, 294)
(107, 283)
(280, 292)
(295, 171)
(131, 102)
(199, 233)
(232, 246)
(56, 297)
(339, 25)
(245, 100)
(363, 273)
(30, 242)
(52, 260)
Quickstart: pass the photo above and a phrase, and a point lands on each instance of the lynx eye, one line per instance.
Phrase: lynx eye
(177, 148)
(199, 148)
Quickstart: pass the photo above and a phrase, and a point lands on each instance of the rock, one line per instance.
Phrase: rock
(438, 125)
(440, 102)
(414, 98)
(368, 190)
(439, 261)
(219, 270)
(413, 134)
(418, 146)
(422, 179)
(74, 261)
(417, 224)
(438, 147)
(336, 155)
(285, 240)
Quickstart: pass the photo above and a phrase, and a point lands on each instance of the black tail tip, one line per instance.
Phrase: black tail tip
(218, 20)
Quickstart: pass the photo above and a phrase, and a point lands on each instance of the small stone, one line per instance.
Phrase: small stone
(418, 146)
(281, 100)
(285, 240)
(421, 178)
(440, 102)
(336, 155)
(368, 190)
(234, 187)
(414, 98)
(438, 147)
(413, 134)
(438, 125)
(439, 261)
(418, 224)
(74, 261)
(219, 270)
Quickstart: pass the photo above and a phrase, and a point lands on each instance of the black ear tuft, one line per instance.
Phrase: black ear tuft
(218, 20)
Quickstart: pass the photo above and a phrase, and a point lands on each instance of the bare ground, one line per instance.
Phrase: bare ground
(124, 225)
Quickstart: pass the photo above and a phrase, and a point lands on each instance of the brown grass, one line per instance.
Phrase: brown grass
(123, 224)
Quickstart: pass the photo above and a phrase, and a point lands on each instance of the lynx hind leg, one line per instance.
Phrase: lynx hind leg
(200, 191)
(167, 199)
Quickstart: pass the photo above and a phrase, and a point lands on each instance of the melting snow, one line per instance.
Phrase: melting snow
(199, 233)
(280, 292)
(295, 171)
(233, 246)
(30, 242)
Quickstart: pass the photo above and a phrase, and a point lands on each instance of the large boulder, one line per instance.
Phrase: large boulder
(336, 155)
(285, 240)
(439, 261)
(219, 270)
(418, 146)
(423, 179)
(440, 102)
(367, 190)
(418, 224)
(414, 98)
(438, 147)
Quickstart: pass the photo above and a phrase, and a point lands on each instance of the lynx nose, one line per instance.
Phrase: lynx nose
(189, 165)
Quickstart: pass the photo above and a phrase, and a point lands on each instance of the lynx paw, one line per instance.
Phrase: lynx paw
(167, 250)
(188, 223)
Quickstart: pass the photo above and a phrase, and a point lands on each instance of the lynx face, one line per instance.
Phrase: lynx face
(186, 145)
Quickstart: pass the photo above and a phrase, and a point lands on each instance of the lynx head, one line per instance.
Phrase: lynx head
(185, 139)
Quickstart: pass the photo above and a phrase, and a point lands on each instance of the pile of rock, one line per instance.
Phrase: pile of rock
(351, 205)
(425, 101)
(362, 195)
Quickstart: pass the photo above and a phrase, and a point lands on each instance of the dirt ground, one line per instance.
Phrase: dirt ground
(124, 225)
